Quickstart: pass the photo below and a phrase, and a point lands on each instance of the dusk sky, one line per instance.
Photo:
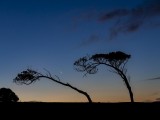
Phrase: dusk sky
(53, 34)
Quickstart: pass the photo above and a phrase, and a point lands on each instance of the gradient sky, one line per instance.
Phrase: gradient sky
(52, 34)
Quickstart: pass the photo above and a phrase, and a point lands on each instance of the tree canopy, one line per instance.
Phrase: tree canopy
(7, 95)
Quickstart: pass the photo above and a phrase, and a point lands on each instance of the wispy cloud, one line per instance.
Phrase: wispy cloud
(131, 20)
(114, 14)
(92, 39)
(155, 93)
(156, 78)
(121, 21)
(157, 99)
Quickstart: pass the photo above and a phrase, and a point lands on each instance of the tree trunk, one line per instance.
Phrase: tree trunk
(68, 85)
(123, 76)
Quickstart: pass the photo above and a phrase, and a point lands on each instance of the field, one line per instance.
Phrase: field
(80, 109)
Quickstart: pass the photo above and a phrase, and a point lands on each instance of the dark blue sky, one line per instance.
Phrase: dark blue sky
(52, 34)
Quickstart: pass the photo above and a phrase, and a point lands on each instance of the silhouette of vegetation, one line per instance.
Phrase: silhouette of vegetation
(7, 95)
(115, 60)
(29, 76)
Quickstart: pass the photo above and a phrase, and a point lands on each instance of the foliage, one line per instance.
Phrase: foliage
(27, 77)
(7, 95)
(114, 59)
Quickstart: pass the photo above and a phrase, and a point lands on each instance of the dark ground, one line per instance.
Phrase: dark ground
(80, 109)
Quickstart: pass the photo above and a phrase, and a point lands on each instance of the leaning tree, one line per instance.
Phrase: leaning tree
(115, 60)
(29, 76)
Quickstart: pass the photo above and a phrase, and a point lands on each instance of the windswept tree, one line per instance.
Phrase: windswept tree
(7, 95)
(115, 60)
(29, 76)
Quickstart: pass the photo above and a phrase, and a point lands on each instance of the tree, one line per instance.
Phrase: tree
(115, 60)
(7, 95)
(29, 76)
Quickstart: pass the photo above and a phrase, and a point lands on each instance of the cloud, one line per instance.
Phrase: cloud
(157, 99)
(92, 39)
(114, 14)
(156, 78)
(155, 93)
(120, 21)
(147, 100)
(131, 20)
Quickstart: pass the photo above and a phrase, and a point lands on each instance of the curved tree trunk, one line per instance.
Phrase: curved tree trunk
(129, 88)
(68, 85)
(123, 76)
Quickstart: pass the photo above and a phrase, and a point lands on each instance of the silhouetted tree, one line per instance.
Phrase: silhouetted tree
(7, 95)
(115, 60)
(29, 76)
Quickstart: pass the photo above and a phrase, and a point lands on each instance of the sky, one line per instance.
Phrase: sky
(53, 34)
